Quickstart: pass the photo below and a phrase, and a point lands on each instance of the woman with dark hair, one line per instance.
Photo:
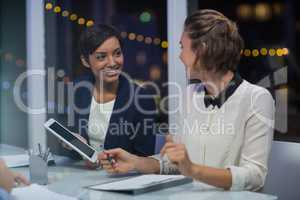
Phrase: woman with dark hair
(111, 110)
(230, 121)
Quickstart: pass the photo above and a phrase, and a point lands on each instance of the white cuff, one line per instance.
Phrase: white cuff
(238, 175)
(159, 159)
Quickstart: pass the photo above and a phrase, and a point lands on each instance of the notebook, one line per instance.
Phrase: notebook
(142, 184)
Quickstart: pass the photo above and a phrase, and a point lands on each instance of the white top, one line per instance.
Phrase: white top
(100, 114)
(237, 136)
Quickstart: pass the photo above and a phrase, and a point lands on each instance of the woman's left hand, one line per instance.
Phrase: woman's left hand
(177, 154)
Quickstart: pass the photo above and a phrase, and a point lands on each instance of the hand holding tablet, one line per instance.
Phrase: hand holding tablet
(71, 140)
(75, 142)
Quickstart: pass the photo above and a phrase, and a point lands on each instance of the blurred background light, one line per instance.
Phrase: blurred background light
(20, 62)
(145, 17)
(255, 52)
(156, 41)
(49, 6)
(247, 52)
(140, 38)
(263, 51)
(263, 12)
(155, 73)
(148, 40)
(81, 21)
(5, 85)
(141, 58)
(245, 11)
(89, 23)
(73, 17)
(277, 8)
(131, 36)
(272, 52)
(57, 9)
(124, 34)
(164, 44)
(65, 13)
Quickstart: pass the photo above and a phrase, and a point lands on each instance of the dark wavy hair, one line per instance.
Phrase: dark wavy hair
(92, 37)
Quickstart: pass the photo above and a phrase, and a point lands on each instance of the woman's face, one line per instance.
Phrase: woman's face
(187, 55)
(107, 61)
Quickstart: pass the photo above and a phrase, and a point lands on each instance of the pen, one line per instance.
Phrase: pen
(40, 149)
(110, 159)
(46, 155)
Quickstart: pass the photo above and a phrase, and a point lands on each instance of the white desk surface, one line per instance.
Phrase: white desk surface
(69, 178)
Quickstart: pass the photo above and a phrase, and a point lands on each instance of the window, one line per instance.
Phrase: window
(271, 31)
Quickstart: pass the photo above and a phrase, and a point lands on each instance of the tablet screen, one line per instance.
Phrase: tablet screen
(60, 130)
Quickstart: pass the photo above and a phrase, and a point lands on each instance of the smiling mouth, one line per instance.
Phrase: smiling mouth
(112, 71)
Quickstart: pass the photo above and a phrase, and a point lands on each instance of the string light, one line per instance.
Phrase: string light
(73, 17)
(263, 51)
(164, 44)
(272, 52)
(81, 21)
(285, 51)
(245, 11)
(279, 52)
(255, 52)
(49, 6)
(148, 40)
(131, 36)
(57, 9)
(89, 23)
(140, 38)
(65, 13)
(156, 41)
(247, 52)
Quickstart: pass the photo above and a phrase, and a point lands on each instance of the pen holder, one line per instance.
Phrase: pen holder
(38, 169)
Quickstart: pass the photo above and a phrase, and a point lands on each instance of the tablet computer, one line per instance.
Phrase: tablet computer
(70, 139)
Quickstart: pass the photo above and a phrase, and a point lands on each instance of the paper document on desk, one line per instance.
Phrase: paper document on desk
(37, 192)
(19, 160)
(142, 184)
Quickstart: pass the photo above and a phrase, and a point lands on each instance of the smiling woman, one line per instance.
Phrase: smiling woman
(231, 148)
(105, 60)
(114, 119)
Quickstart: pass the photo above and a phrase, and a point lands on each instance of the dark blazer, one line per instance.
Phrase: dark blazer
(135, 138)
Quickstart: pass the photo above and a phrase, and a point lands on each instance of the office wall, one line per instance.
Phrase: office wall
(13, 123)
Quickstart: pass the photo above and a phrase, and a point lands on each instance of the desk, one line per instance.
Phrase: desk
(69, 178)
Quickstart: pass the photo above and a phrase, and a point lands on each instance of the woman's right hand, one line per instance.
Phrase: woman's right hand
(124, 161)
(66, 146)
